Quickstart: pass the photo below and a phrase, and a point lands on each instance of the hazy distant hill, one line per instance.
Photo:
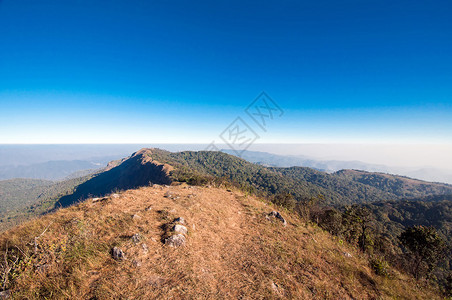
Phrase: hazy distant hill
(52, 170)
(401, 186)
(274, 160)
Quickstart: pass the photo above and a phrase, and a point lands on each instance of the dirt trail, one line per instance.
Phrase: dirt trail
(216, 221)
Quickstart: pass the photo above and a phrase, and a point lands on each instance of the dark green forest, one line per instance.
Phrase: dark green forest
(301, 182)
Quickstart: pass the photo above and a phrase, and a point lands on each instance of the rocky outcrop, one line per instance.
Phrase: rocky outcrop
(117, 254)
(180, 229)
(175, 233)
(176, 240)
(276, 215)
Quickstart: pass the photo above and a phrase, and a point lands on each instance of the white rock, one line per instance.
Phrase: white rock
(136, 263)
(278, 216)
(117, 254)
(5, 294)
(180, 220)
(176, 240)
(136, 238)
(180, 229)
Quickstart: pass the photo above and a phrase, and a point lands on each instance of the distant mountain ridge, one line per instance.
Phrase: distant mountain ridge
(402, 186)
(163, 167)
(331, 166)
(51, 170)
(300, 181)
(135, 171)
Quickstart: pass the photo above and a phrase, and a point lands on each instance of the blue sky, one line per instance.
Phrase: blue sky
(182, 71)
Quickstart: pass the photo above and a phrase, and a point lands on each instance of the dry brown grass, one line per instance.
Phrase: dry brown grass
(232, 252)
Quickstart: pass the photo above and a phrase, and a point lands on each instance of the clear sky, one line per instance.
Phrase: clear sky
(181, 71)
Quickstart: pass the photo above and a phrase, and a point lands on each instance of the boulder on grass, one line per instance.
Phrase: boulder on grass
(278, 216)
(176, 240)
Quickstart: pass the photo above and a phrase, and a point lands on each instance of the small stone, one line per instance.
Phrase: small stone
(276, 288)
(179, 220)
(176, 240)
(168, 194)
(115, 196)
(149, 208)
(136, 238)
(313, 290)
(278, 216)
(136, 217)
(180, 229)
(5, 294)
(156, 281)
(346, 254)
(99, 199)
(145, 248)
(41, 268)
(117, 254)
(136, 263)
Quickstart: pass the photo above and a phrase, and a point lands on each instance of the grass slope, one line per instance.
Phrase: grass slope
(232, 252)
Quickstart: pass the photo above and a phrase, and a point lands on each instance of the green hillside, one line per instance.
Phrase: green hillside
(18, 193)
(21, 199)
(400, 186)
(301, 182)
